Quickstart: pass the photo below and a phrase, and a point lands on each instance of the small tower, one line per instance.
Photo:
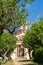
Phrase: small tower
(24, 27)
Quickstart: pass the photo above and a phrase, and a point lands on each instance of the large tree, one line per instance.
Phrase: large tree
(34, 36)
(37, 33)
(7, 44)
(12, 14)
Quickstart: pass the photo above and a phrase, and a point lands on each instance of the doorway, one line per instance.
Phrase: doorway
(20, 51)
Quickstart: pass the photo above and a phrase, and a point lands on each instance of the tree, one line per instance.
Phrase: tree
(34, 37)
(37, 41)
(12, 14)
(7, 43)
(37, 33)
(26, 42)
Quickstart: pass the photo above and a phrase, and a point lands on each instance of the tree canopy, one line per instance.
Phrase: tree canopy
(12, 14)
(34, 36)
(7, 41)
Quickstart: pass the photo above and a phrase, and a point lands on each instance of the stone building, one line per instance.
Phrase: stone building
(20, 51)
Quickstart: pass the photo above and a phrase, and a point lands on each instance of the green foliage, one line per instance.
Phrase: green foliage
(26, 39)
(38, 55)
(34, 36)
(34, 39)
(12, 14)
(37, 33)
(7, 40)
(29, 1)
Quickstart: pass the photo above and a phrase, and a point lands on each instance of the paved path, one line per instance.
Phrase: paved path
(15, 62)
(23, 62)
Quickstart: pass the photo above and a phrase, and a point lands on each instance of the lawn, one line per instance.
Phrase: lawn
(7, 63)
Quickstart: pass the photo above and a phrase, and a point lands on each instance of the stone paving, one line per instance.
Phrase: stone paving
(15, 62)
(21, 61)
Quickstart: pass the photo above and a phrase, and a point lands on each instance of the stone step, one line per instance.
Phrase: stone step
(22, 59)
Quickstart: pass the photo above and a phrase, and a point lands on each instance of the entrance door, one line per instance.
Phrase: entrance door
(20, 52)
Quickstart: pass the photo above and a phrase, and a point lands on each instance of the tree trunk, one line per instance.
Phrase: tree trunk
(5, 58)
(1, 29)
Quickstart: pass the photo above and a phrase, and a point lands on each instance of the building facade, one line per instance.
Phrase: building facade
(20, 51)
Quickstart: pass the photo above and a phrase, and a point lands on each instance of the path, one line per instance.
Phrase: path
(15, 62)
(23, 61)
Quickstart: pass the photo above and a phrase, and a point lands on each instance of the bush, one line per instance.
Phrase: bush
(38, 55)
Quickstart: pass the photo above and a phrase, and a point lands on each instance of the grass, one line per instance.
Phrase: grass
(7, 63)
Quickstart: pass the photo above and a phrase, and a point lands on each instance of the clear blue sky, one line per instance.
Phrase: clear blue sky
(35, 11)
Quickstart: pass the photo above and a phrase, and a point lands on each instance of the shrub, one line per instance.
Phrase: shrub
(38, 55)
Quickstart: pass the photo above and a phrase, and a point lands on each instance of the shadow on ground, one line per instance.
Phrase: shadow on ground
(29, 64)
(23, 60)
(32, 64)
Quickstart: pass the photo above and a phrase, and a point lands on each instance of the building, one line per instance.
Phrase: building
(20, 51)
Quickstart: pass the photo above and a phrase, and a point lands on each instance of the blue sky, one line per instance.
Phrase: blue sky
(35, 11)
